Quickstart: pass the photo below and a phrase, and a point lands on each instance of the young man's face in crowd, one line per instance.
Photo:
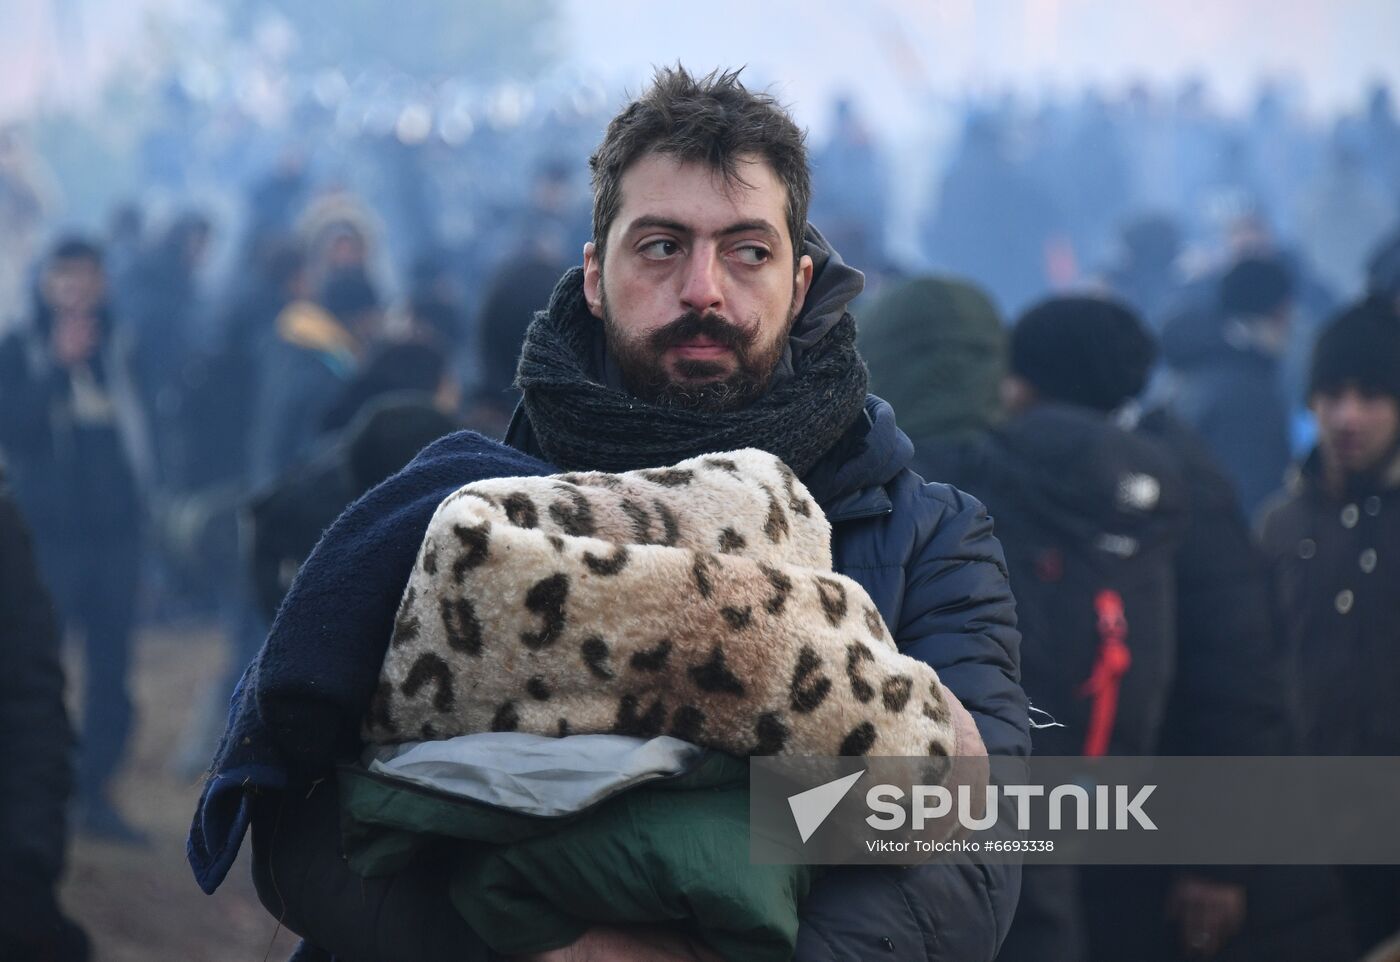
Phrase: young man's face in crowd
(73, 286)
(1356, 428)
(699, 286)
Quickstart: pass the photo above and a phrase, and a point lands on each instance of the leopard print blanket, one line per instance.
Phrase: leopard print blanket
(696, 601)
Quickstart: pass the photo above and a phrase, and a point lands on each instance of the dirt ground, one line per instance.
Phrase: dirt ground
(142, 905)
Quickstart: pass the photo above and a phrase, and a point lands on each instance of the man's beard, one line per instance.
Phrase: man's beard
(704, 386)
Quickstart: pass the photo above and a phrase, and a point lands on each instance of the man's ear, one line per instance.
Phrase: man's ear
(801, 283)
(593, 280)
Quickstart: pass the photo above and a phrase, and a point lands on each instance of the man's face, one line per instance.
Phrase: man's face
(699, 288)
(1356, 429)
(346, 249)
(72, 286)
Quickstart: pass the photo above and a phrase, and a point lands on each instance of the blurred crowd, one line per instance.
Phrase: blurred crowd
(279, 315)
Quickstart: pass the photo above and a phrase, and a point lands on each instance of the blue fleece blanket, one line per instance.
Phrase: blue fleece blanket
(297, 710)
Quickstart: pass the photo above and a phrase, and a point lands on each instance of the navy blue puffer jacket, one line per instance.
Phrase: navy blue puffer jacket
(926, 555)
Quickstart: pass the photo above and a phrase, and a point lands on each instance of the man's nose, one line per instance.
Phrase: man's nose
(1350, 410)
(702, 292)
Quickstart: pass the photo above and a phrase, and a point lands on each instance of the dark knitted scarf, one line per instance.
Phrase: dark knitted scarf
(584, 424)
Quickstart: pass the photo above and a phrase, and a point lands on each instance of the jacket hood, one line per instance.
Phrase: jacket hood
(834, 285)
(936, 348)
(1086, 476)
(850, 478)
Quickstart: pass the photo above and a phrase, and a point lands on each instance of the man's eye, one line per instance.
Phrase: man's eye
(659, 249)
(753, 255)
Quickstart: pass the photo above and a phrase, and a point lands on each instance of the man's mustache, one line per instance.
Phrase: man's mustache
(692, 325)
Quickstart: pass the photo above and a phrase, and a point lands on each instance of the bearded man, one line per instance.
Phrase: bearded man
(709, 316)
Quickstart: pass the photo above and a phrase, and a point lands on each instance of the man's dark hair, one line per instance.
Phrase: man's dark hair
(1256, 287)
(75, 248)
(713, 120)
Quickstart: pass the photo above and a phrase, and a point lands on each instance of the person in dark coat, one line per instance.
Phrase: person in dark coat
(1096, 353)
(200, 521)
(37, 778)
(724, 325)
(275, 527)
(1090, 517)
(222, 382)
(159, 300)
(73, 436)
(1225, 366)
(1332, 541)
(317, 348)
(384, 417)
(519, 286)
(290, 518)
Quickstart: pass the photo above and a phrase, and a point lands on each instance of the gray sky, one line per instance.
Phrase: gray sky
(884, 50)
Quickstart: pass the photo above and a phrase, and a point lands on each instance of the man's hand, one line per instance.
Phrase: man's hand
(608, 943)
(1209, 913)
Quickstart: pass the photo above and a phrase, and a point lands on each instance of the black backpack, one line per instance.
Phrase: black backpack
(1090, 517)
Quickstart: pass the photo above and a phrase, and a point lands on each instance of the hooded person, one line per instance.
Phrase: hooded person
(1089, 516)
(318, 347)
(957, 336)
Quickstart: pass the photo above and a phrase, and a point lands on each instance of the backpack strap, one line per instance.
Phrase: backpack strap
(1109, 668)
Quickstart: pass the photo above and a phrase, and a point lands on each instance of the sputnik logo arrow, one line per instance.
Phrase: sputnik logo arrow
(810, 808)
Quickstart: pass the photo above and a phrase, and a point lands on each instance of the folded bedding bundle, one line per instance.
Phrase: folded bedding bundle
(690, 615)
(696, 601)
